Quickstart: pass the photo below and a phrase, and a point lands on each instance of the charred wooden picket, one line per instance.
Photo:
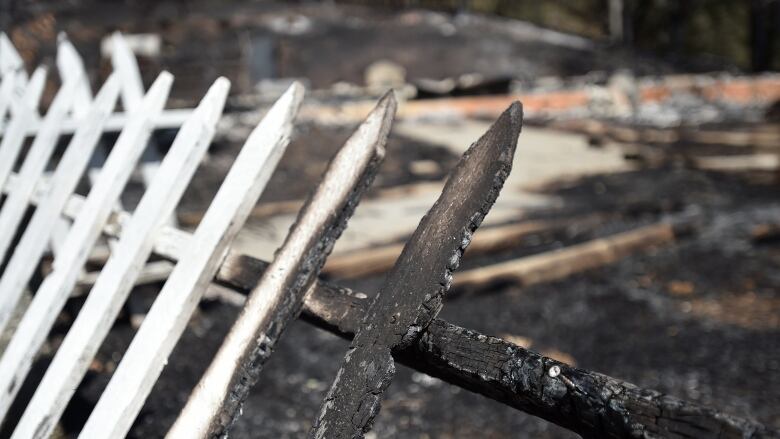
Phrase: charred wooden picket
(278, 298)
(414, 289)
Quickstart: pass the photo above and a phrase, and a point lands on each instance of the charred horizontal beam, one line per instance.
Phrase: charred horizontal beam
(589, 403)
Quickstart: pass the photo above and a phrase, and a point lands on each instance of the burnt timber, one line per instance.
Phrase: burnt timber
(589, 403)
(412, 294)
(278, 298)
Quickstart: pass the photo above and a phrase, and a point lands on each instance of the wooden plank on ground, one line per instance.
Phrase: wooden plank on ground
(118, 276)
(558, 264)
(216, 401)
(69, 170)
(376, 260)
(165, 322)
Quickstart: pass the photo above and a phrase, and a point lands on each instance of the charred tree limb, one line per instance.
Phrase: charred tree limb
(589, 403)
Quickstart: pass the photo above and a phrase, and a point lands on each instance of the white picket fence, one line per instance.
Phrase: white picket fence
(74, 224)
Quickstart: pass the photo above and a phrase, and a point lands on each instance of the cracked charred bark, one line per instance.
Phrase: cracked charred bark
(278, 298)
(589, 403)
(412, 293)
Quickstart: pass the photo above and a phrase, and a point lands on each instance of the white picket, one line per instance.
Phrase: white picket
(71, 67)
(82, 236)
(13, 140)
(124, 63)
(10, 60)
(165, 322)
(35, 86)
(6, 94)
(118, 275)
(34, 164)
(69, 170)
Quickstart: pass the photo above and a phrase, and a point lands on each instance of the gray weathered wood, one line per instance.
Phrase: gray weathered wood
(118, 276)
(413, 291)
(217, 400)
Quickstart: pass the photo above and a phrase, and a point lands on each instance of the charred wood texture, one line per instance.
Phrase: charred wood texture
(279, 296)
(589, 403)
(412, 294)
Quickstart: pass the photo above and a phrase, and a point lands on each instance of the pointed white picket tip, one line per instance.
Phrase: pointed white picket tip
(120, 272)
(87, 226)
(143, 362)
(71, 67)
(69, 170)
(10, 60)
(124, 62)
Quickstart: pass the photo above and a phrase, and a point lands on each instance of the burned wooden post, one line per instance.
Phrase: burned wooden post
(277, 300)
(412, 294)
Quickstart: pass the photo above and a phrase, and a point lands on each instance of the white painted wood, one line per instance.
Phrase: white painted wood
(152, 272)
(118, 275)
(86, 229)
(69, 170)
(205, 402)
(35, 86)
(172, 118)
(170, 243)
(13, 138)
(34, 164)
(165, 322)
(10, 60)
(71, 67)
(6, 94)
(124, 63)
(30, 93)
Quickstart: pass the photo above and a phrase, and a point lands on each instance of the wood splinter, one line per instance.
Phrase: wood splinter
(412, 294)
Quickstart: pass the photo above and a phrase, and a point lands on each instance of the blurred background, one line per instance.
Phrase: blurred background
(638, 234)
